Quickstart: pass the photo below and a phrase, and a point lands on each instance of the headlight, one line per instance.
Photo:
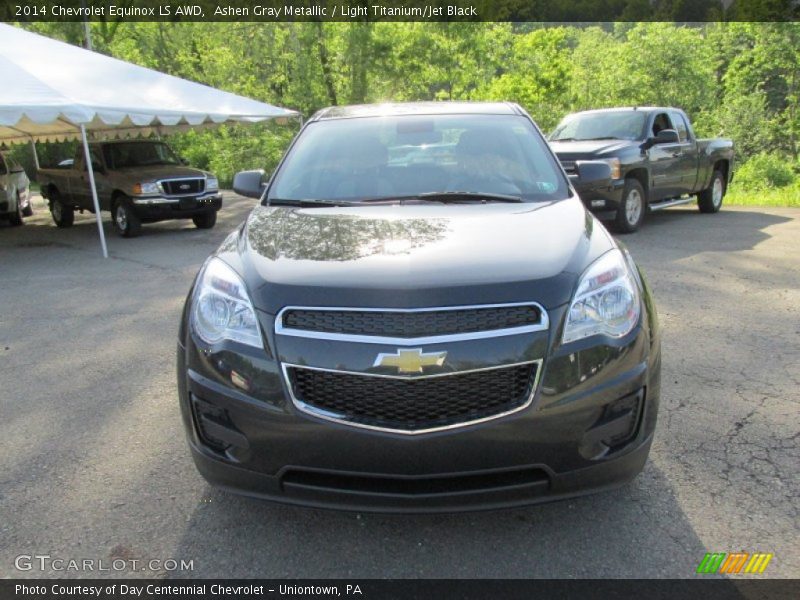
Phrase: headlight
(605, 302)
(222, 309)
(212, 184)
(616, 168)
(146, 188)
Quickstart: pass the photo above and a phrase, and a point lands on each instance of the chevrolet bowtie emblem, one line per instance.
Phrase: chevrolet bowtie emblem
(410, 361)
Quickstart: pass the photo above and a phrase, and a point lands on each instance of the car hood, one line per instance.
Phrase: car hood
(158, 172)
(589, 148)
(415, 255)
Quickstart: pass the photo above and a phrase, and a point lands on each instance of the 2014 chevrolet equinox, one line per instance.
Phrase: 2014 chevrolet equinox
(420, 315)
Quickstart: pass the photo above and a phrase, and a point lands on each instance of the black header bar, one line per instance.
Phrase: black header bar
(372, 589)
(574, 11)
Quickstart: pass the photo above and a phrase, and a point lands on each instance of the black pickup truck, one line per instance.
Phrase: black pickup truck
(656, 161)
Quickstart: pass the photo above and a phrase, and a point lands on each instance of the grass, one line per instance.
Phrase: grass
(785, 196)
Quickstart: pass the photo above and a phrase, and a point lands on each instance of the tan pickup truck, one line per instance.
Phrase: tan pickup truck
(139, 181)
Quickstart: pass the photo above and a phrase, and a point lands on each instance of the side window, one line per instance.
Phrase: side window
(3, 168)
(80, 163)
(689, 131)
(680, 126)
(661, 122)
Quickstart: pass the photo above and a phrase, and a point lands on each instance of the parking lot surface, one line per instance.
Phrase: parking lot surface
(94, 464)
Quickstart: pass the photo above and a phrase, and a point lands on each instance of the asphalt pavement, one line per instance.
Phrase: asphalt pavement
(94, 465)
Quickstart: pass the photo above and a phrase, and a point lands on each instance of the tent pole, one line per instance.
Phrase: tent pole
(90, 168)
(35, 154)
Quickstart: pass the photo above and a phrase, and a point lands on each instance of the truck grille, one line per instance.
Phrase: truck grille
(411, 324)
(569, 166)
(415, 404)
(183, 187)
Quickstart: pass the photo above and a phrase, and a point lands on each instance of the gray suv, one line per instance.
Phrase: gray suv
(15, 195)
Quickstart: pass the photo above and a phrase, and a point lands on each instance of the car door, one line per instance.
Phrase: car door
(80, 184)
(664, 158)
(686, 165)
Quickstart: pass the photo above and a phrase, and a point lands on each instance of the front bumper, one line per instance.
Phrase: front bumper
(600, 199)
(159, 208)
(547, 451)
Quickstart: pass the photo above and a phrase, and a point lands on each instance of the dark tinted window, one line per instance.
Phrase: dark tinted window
(393, 156)
(661, 122)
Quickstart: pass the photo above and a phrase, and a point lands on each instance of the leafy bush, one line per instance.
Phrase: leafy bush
(765, 171)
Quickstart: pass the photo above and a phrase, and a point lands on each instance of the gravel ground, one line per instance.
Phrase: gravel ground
(94, 463)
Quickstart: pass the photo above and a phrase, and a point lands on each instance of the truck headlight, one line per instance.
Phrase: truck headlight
(140, 189)
(221, 307)
(212, 184)
(606, 300)
(616, 167)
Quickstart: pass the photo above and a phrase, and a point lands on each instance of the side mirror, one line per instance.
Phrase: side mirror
(592, 174)
(250, 183)
(17, 169)
(666, 136)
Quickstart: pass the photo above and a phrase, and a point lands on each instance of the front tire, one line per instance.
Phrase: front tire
(28, 210)
(126, 222)
(632, 207)
(63, 215)
(206, 220)
(15, 218)
(710, 199)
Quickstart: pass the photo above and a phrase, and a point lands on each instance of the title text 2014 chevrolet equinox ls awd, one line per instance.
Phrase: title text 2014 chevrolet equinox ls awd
(420, 315)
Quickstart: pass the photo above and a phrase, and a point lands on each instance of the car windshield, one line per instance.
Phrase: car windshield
(139, 154)
(373, 158)
(622, 125)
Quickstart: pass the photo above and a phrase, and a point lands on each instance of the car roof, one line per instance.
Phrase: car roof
(646, 109)
(395, 109)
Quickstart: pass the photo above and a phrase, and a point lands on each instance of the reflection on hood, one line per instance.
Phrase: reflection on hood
(280, 233)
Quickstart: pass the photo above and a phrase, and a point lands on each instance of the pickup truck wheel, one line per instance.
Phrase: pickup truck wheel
(630, 213)
(15, 218)
(206, 220)
(710, 199)
(63, 216)
(126, 222)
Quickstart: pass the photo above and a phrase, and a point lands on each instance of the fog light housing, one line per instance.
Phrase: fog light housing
(617, 426)
(214, 427)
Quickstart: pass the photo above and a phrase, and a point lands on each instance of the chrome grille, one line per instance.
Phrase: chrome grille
(569, 166)
(416, 325)
(411, 324)
(183, 187)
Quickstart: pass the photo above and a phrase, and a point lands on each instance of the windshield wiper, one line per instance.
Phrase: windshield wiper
(426, 197)
(468, 196)
(309, 203)
(605, 137)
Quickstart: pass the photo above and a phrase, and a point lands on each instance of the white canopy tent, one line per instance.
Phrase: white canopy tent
(52, 91)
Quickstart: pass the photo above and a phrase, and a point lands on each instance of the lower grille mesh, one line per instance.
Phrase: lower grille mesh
(415, 403)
